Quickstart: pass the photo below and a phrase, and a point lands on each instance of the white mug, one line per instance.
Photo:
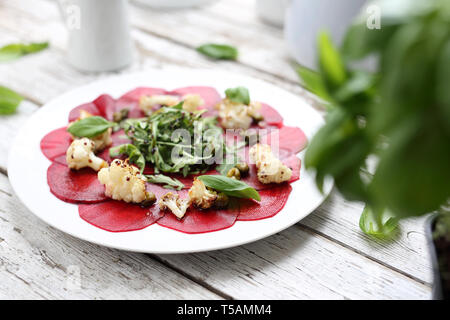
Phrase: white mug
(305, 19)
(99, 34)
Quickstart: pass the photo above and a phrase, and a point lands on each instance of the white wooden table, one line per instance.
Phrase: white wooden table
(323, 256)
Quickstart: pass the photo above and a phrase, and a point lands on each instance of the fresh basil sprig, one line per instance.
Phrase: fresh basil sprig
(218, 51)
(90, 127)
(9, 100)
(238, 94)
(379, 225)
(231, 187)
(169, 183)
(134, 155)
(16, 50)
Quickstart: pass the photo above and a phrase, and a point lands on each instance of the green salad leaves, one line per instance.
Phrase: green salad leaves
(231, 187)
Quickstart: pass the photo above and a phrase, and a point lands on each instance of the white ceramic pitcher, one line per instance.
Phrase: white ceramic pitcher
(99, 34)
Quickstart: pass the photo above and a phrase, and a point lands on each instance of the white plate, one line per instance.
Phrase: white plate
(27, 167)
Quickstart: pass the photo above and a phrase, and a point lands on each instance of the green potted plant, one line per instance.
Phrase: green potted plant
(386, 140)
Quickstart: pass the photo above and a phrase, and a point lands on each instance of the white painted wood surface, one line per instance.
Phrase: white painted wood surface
(323, 256)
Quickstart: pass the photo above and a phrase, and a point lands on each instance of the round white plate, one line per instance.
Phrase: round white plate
(27, 166)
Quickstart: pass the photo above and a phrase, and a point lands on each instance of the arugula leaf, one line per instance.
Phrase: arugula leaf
(377, 223)
(231, 187)
(170, 183)
(90, 127)
(17, 50)
(134, 155)
(238, 94)
(9, 100)
(218, 51)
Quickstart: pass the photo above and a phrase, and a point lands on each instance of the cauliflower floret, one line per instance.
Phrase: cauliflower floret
(172, 202)
(192, 102)
(200, 196)
(124, 182)
(237, 115)
(80, 154)
(102, 140)
(147, 103)
(269, 168)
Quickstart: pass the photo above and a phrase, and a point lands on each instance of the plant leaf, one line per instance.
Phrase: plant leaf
(377, 223)
(218, 51)
(330, 61)
(90, 127)
(16, 50)
(9, 101)
(313, 82)
(238, 94)
(231, 187)
(170, 183)
(133, 153)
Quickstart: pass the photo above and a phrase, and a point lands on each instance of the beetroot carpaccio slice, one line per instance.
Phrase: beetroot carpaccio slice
(89, 107)
(135, 94)
(55, 143)
(272, 201)
(201, 221)
(271, 116)
(119, 216)
(80, 186)
(208, 94)
(292, 139)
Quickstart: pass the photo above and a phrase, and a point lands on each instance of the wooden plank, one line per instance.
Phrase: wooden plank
(39, 262)
(337, 219)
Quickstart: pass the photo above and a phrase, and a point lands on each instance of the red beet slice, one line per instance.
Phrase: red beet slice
(272, 201)
(89, 107)
(55, 143)
(271, 116)
(135, 94)
(291, 139)
(80, 186)
(208, 94)
(119, 216)
(201, 221)
(295, 164)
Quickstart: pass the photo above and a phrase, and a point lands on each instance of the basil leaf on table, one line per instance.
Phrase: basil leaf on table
(16, 50)
(231, 187)
(90, 127)
(238, 94)
(218, 51)
(9, 100)
(377, 223)
(169, 183)
(134, 155)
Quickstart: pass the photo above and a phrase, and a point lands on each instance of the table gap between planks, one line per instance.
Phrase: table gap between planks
(323, 256)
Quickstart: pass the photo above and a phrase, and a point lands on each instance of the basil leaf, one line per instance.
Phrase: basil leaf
(9, 100)
(134, 155)
(238, 94)
(231, 187)
(218, 51)
(90, 127)
(16, 50)
(170, 183)
(377, 223)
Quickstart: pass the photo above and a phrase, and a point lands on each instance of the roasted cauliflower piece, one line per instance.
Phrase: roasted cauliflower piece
(147, 103)
(102, 140)
(192, 102)
(269, 168)
(171, 201)
(237, 115)
(124, 182)
(80, 154)
(200, 196)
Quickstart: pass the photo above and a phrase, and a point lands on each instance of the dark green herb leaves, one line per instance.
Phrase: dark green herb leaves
(377, 223)
(231, 187)
(9, 100)
(238, 94)
(169, 183)
(133, 153)
(90, 127)
(17, 50)
(218, 51)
